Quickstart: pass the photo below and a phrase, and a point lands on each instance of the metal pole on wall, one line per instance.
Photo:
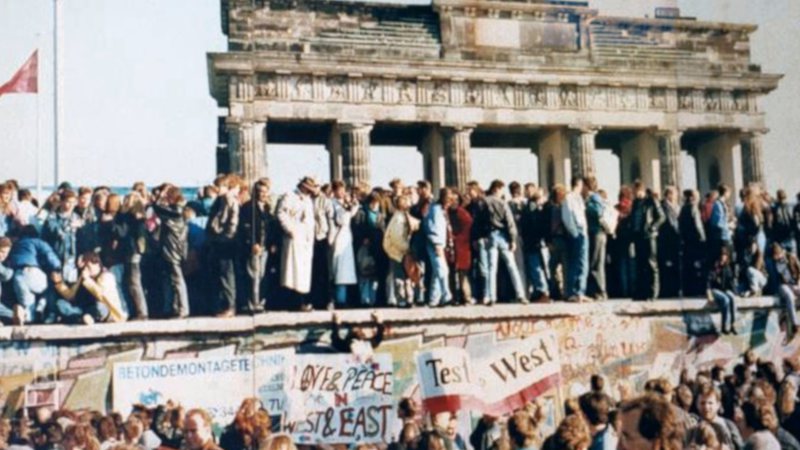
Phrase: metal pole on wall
(58, 117)
(38, 126)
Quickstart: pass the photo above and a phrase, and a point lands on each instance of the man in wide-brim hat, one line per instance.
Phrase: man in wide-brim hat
(296, 216)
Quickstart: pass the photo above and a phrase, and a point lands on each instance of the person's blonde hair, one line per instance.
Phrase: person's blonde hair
(278, 442)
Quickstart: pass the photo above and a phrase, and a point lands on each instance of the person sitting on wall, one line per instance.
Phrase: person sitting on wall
(359, 340)
(787, 268)
(32, 259)
(721, 285)
(94, 298)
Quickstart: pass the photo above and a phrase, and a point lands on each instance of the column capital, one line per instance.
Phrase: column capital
(457, 127)
(585, 129)
(668, 132)
(355, 126)
(754, 133)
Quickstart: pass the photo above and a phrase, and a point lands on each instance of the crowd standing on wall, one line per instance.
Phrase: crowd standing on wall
(756, 407)
(90, 255)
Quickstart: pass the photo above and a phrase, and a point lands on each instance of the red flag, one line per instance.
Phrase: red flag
(26, 79)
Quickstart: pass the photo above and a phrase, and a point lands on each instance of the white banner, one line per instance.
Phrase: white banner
(445, 379)
(216, 384)
(518, 371)
(339, 398)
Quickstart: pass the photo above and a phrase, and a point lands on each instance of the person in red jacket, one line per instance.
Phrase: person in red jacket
(460, 252)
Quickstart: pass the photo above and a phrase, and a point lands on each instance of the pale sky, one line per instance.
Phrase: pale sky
(137, 103)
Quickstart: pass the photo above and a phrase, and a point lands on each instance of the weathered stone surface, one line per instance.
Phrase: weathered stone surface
(500, 64)
(457, 145)
(752, 157)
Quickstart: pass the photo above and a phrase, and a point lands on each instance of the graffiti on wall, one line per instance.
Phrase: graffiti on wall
(627, 350)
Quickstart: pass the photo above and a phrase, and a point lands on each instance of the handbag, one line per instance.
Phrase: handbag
(412, 269)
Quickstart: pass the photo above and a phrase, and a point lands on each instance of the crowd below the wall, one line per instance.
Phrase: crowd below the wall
(90, 255)
(753, 408)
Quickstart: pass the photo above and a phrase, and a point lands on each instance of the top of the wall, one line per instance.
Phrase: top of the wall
(288, 320)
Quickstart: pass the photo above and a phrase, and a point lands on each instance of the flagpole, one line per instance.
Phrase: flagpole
(58, 117)
(38, 128)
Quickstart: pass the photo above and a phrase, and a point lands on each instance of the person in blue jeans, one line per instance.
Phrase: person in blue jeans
(573, 214)
(435, 229)
(534, 227)
(502, 240)
(787, 269)
(721, 285)
(31, 259)
(479, 235)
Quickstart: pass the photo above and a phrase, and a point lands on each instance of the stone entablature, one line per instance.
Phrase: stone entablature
(560, 74)
(424, 90)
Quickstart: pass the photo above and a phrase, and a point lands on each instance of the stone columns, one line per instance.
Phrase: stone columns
(719, 161)
(247, 149)
(355, 141)
(334, 148)
(554, 157)
(581, 151)
(669, 155)
(433, 159)
(752, 159)
(639, 159)
(458, 165)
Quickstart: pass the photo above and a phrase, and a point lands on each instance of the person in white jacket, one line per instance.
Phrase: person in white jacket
(573, 215)
(340, 239)
(296, 216)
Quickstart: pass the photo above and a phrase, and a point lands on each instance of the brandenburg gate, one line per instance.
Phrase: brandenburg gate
(552, 76)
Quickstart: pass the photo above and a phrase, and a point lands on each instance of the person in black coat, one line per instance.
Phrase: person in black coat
(174, 240)
(258, 236)
(130, 231)
(669, 246)
(693, 245)
(646, 219)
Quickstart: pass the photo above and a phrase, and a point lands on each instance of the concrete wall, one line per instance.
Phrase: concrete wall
(627, 342)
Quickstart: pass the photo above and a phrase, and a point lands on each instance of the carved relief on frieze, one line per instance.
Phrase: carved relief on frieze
(474, 94)
(568, 96)
(597, 97)
(658, 98)
(685, 99)
(537, 96)
(503, 95)
(740, 101)
(711, 101)
(267, 86)
(726, 100)
(301, 88)
(371, 90)
(407, 91)
(627, 98)
(440, 92)
(337, 89)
